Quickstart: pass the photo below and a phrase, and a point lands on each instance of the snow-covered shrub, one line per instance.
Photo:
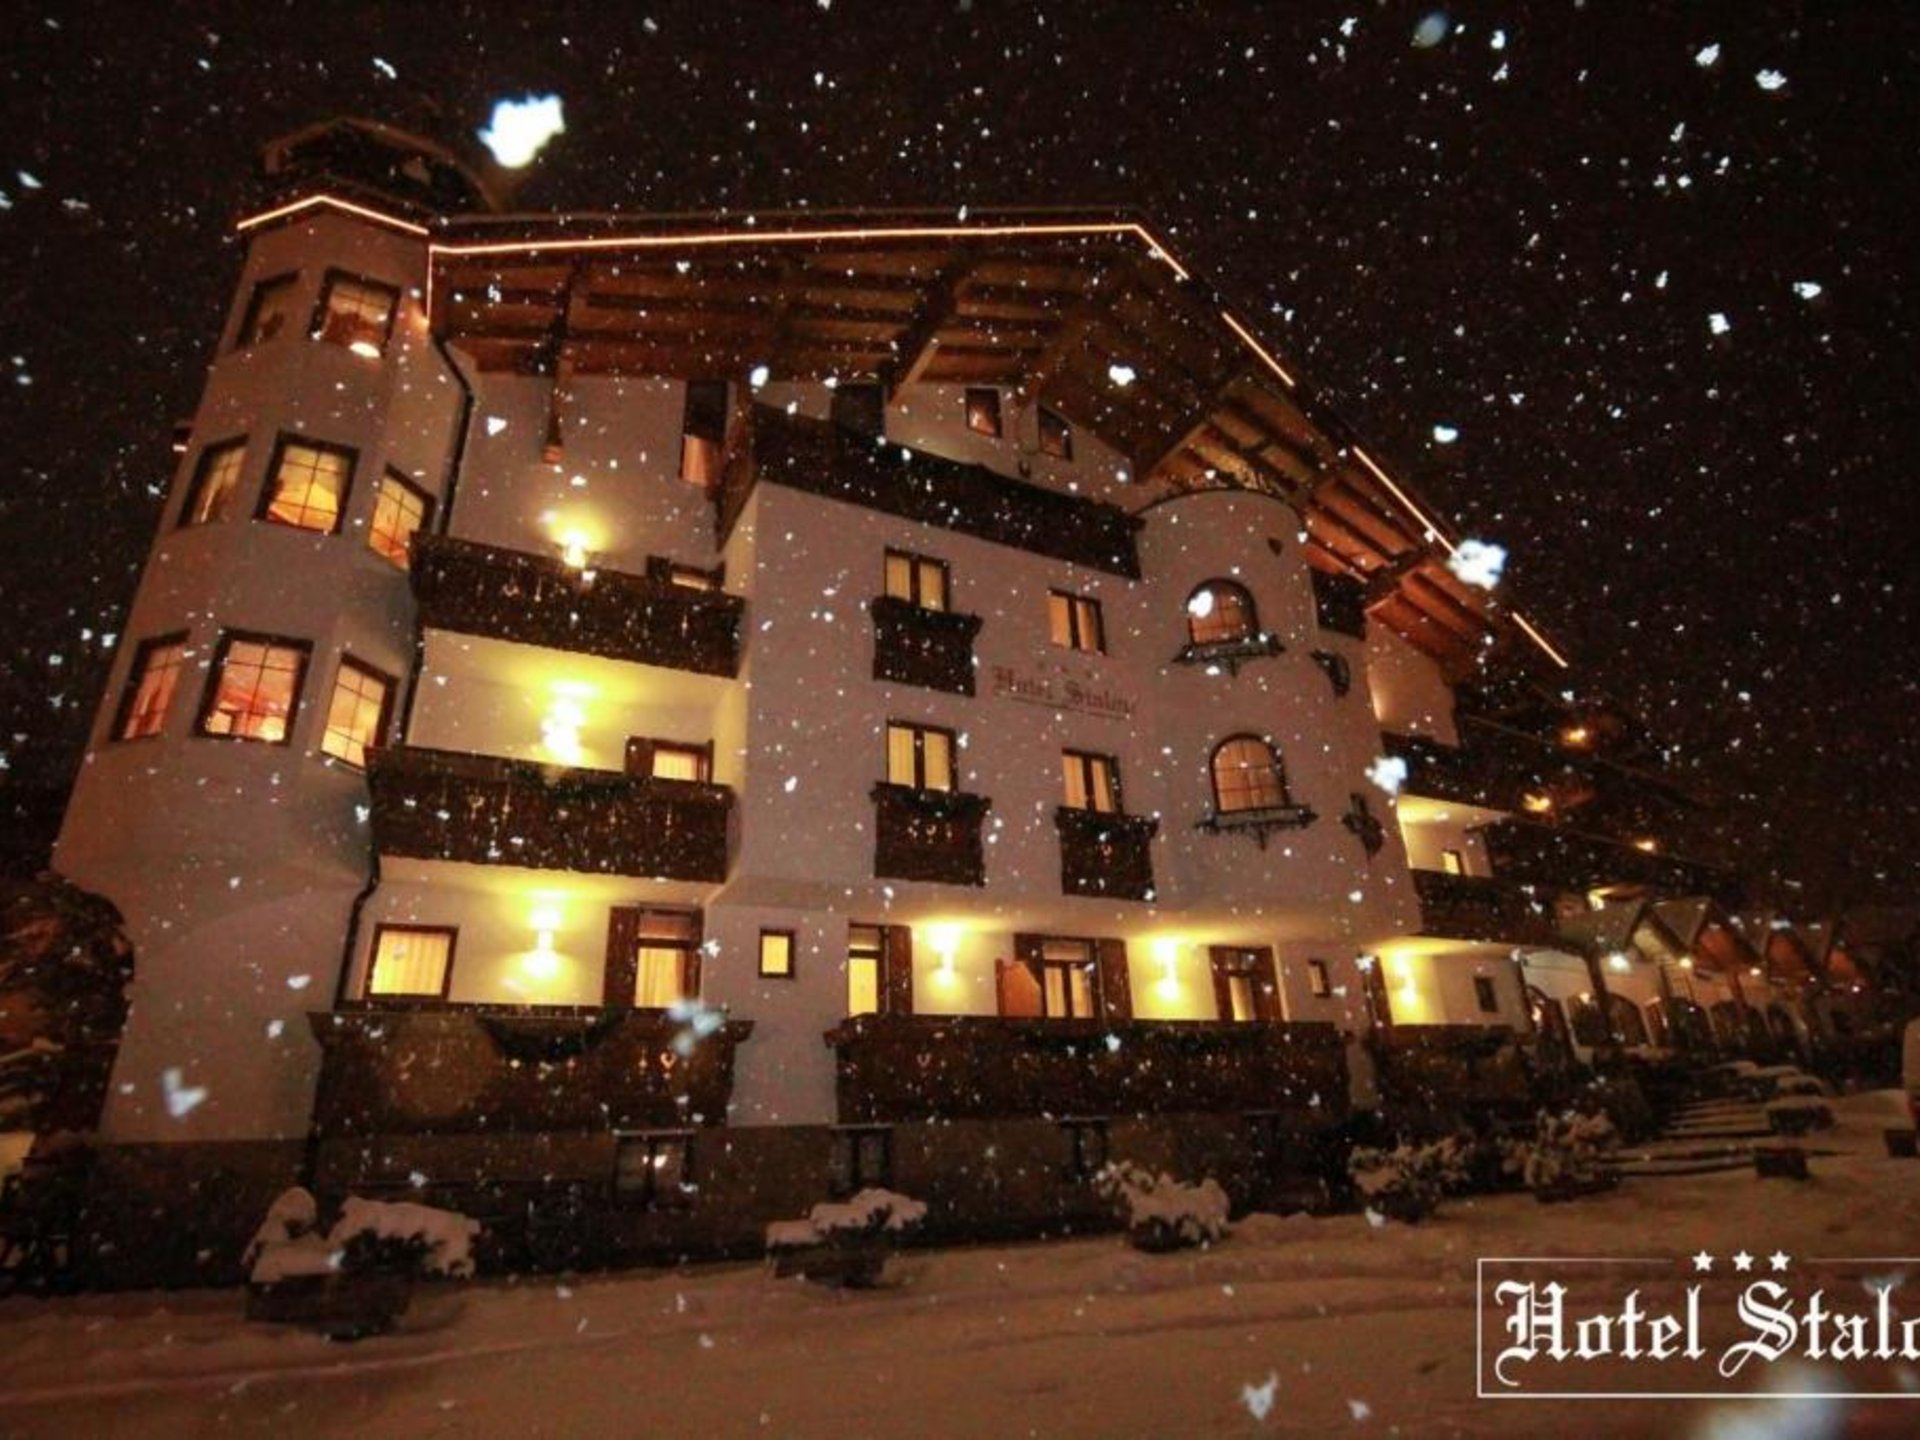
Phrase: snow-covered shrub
(872, 1211)
(844, 1242)
(1163, 1213)
(1408, 1181)
(1570, 1152)
(1797, 1114)
(370, 1235)
(290, 1241)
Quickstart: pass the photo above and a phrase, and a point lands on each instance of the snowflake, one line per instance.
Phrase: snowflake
(1769, 80)
(1707, 56)
(1389, 772)
(1478, 562)
(520, 128)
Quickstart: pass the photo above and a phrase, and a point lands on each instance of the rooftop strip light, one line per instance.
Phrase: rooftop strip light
(331, 202)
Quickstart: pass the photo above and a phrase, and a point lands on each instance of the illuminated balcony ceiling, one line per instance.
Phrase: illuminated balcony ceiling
(1043, 303)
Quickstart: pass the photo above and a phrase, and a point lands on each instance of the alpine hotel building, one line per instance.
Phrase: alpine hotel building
(633, 724)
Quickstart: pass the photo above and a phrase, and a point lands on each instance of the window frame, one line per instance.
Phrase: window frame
(380, 930)
(1243, 597)
(333, 276)
(1278, 771)
(284, 441)
(137, 674)
(1485, 995)
(1453, 862)
(223, 647)
(1085, 1160)
(202, 471)
(417, 492)
(1056, 434)
(877, 953)
(1096, 990)
(388, 685)
(920, 732)
(702, 756)
(1075, 637)
(849, 1177)
(244, 338)
(981, 405)
(1319, 980)
(916, 577)
(649, 1195)
(1088, 762)
(694, 408)
(621, 980)
(792, 937)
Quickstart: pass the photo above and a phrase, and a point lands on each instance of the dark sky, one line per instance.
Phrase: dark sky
(1521, 232)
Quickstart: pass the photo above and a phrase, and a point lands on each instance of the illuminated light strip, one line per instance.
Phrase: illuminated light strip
(1432, 527)
(331, 202)
(704, 239)
(1254, 345)
(1540, 640)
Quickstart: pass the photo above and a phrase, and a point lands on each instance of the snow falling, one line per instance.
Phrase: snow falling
(520, 129)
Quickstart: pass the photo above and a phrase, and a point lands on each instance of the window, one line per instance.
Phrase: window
(1483, 993)
(654, 1168)
(1074, 622)
(1056, 436)
(917, 580)
(776, 954)
(411, 961)
(215, 479)
(1243, 983)
(862, 1158)
(308, 486)
(703, 432)
(1092, 781)
(1220, 612)
(666, 970)
(356, 313)
(866, 959)
(861, 409)
(1453, 862)
(1086, 1147)
(920, 756)
(681, 762)
(357, 713)
(254, 688)
(150, 686)
(1319, 982)
(983, 411)
(268, 311)
(691, 577)
(1247, 775)
(400, 508)
(1069, 980)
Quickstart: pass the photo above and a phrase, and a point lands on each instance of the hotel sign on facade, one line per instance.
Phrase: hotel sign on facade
(1060, 691)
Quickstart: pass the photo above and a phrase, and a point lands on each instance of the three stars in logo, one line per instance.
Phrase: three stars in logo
(1779, 1260)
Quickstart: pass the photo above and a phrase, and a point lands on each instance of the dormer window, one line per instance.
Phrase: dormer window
(356, 313)
(1221, 612)
(1056, 436)
(983, 411)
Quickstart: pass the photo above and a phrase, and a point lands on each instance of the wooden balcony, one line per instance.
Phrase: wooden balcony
(538, 600)
(442, 805)
(449, 1070)
(824, 459)
(928, 835)
(894, 1068)
(1450, 772)
(916, 646)
(1563, 859)
(1444, 1070)
(1106, 856)
(1478, 907)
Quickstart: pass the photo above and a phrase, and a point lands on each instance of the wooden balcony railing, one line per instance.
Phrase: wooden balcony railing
(1105, 855)
(1564, 859)
(1478, 907)
(442, 805)
(894, 1068)
(448, 1070)
(538, 600)
(916, 646)
(1446, 1069)
(928, 835)
(1450, 772)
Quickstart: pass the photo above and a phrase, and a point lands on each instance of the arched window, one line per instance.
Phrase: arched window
(1221, 612)
(1247, 775)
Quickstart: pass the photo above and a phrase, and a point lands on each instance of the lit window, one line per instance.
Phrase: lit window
(1073, 621)
(308, 487)
(983, 411)
(1220, 612)
(1453, 862)
(411, 960)
(866, 955)
(356, 313)
(1092, 781)
(1319, 982)
(215, 479)
(1069, 980)
(655, 1168)
(150, 686)
(357, 713)
(1056, 436)
(703, 433)
(268, 311)
(917, 580)
(1243, 984)
(666, 965)
(689, 577)
(920, 756)
(680, 762)
(254, 688)
(776, 954)
(400, 508)
(1247, 775)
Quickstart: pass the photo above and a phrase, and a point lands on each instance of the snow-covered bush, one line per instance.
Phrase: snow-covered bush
(844, 1242)
(1571, 1152)
(1408, 1181)
(1163, 1213)
(370, 1235)
(1797, 1114)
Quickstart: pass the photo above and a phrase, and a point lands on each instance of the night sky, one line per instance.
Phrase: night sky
(1518, 232)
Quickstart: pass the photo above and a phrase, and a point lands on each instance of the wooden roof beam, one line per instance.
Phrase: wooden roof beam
(916, 345)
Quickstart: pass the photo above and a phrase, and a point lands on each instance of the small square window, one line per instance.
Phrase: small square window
(357, 714)
(983, 411)
(917, 580)
(1453, 862)
(400, 510)
(1483, 993)
(269, 310)
(254, 688)
(862, 1159)
(215, 479)
(691, 577)
(654, 1169)
(1086, 1147)
(307, 488)
(1056, 436)
(150, 685)
(776, 954)
(411, 962)
(1319, 983)
(680, 762)
(1074, 622)
(1092, 781)
(357, 313)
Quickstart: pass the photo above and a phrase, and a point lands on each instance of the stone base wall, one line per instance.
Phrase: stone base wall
(178, 1215)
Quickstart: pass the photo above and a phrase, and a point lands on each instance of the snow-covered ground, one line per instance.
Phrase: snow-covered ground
(1318, 1326)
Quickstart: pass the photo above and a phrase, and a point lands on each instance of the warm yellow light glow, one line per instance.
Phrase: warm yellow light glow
(329, 202)
(1576, 735)
(560, 726)
(1618, 961)
(1686, 962)
(1540, 640)
(1646, 843)
(541, 963)
(945, 940)
(546, 918)
(1536, 803)
(573, 549)
(366, 349)
(1258, 349)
